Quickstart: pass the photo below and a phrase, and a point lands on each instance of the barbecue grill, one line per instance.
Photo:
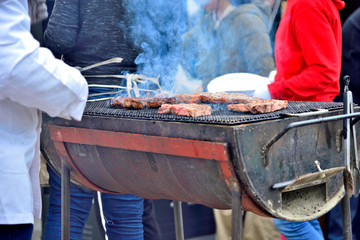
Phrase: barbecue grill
(226, 160)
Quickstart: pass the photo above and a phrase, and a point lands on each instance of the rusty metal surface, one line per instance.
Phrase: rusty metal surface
(100, 158)
(141, 142)
(161, 167)
(144, 157)
(292, 156)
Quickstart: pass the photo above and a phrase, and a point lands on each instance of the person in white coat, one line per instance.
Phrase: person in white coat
(31, 81)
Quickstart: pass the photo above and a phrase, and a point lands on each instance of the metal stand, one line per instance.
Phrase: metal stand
(351, 170)
(346, 218)
(65, 202)
(179, 228)
(236, 213)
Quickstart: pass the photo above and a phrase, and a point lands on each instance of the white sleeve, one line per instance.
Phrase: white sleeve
(43, 82)
(30, 75)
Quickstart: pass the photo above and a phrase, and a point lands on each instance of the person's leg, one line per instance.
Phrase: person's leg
(356, 222)
(259, 228)
(309, 230)
(16, 232)
(123, 216)
(80, 205)
(151, 226)
(223, 224)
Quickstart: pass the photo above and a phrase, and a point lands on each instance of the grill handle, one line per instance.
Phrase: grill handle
(265, 149)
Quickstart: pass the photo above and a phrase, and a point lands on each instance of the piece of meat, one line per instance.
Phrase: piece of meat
(158, 101)
(260, 106)
(184, 109)
(117, 102)
(135, 103)
(165, 109)
(240, 107)
(225, 98)
(139, 103)
(267, 106)
(128, 102)
(187, 98)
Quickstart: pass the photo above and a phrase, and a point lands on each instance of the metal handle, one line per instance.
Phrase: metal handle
(305, 114)
(265, 149)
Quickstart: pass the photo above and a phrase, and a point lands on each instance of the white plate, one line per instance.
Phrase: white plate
(236, 82)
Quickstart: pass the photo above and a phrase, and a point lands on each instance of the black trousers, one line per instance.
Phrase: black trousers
(16, 232)
(151, 226)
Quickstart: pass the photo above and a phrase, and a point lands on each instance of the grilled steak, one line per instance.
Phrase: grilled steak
(128, 102)
(183, 109)
(260, 106)
(140, 103)
(117, 102)
(135, 103)
(158, 101)
(240, 107)
(187, 98)
(223, 97)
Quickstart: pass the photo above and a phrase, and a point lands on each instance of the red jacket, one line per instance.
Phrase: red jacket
(308, 51)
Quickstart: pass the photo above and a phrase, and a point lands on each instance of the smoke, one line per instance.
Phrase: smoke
(156, 27)
(162, 28)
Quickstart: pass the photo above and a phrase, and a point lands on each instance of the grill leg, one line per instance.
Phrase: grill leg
(236, 212)
(179, 228)
(65, 202)
(346, 218)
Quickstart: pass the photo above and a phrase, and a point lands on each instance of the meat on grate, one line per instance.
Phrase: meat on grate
(259, 106)
(204, 97)
(140, 103)
(225, 98)
(184, 109)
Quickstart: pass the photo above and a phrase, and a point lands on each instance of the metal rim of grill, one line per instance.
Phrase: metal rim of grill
(219, 112)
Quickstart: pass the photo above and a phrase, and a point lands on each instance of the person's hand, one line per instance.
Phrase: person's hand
(272, 75)
(37, 10)
(262, 90)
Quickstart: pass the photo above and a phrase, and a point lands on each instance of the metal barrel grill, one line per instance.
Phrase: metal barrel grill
(217, 160)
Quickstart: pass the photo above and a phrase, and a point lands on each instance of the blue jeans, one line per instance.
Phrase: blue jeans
(122, 212)
(309, 230)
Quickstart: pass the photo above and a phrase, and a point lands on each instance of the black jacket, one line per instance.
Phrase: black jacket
(90, 31)
(351, 56)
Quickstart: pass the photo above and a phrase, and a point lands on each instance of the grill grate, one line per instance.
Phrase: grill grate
(219, 113)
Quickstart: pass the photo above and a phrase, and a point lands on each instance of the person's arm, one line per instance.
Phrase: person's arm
(351, 52)
(62, 31)
(30, 75)
(321, 54)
